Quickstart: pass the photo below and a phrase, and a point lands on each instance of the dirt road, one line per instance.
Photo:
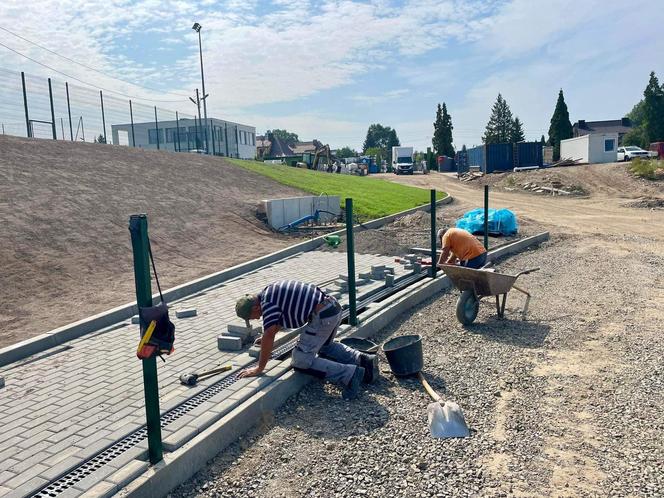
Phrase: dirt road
(64, 210)
(601, 212)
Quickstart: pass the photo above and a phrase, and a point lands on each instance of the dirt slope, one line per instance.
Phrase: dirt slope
(66, 252)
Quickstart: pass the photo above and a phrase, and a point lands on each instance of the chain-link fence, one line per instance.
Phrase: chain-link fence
(38, 107)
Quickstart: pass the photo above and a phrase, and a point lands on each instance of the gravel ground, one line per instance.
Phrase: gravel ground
(566, 403)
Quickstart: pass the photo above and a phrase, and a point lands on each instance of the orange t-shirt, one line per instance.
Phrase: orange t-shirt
(463, 244)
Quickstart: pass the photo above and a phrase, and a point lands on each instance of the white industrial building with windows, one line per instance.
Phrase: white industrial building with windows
(224, 138)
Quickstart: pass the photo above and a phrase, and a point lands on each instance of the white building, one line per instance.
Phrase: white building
(593, 148)
(224, 137)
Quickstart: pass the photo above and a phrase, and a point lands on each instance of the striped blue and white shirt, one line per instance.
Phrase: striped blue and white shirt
(289, 303)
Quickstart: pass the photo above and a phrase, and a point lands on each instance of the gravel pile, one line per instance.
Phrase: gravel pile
(568, 402)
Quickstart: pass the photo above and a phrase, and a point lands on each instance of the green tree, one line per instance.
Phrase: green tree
(561, 127)
(346, 152)
(100, 139)
(542, 141)
(382, 137)
(284, 135)
(499, 128)
(517, 135)
(653, 110)
(636, 136)
(442, 132)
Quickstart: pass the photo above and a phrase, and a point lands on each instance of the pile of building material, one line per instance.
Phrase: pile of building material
(470, 176)
(566, 161)
(237, 336)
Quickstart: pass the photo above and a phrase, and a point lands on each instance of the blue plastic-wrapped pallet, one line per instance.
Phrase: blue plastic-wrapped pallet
(501, 222)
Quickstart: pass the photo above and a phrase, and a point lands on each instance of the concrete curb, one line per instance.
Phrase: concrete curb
(58, 336)
(183, 463)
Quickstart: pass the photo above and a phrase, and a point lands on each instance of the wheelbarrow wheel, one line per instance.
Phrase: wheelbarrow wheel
(467, 307)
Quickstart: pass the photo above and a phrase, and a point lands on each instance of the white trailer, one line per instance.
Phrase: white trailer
(592, 148)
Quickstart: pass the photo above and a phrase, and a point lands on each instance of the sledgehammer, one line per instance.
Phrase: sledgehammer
(191, 379)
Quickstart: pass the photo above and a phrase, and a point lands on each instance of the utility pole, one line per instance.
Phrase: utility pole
(197, 27)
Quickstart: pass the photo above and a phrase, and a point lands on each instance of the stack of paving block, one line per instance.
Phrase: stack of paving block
(237, 336)
(378, 271)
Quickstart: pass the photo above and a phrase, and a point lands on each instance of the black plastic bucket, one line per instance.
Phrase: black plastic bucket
(362, 345)
(404, 354)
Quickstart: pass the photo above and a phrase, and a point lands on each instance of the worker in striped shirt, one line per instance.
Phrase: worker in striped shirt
(290, 304)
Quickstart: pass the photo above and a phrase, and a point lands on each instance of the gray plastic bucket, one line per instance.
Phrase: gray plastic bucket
(404, 354)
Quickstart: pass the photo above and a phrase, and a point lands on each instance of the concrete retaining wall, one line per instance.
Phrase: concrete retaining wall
(281, 212)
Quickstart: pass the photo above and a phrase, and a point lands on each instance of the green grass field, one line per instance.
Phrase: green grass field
(372, 197)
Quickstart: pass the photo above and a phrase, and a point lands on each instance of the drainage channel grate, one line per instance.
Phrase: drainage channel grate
(97, 461)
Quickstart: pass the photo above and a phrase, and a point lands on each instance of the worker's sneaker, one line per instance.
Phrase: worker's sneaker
(370, 364)
(352, 390)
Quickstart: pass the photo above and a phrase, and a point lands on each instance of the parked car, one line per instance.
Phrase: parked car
(630, 152)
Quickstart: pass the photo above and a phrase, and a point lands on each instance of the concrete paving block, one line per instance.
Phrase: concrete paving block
(173, 441)
(343, 277)
(205, 420)
(135, 319)
(365, 276)
(240, 330)
(128, 473)
(186, 313)
(96, 477)
(229, 343)
(389, 269)
(389, 280)
(103, 489)
(26, 488)
(60, 468)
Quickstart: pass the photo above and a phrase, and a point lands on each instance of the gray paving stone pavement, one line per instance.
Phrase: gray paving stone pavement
(62, 406)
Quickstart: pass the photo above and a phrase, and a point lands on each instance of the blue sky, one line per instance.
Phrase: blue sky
(329, 69)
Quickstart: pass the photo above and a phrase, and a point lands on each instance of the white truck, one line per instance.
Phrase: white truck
(402, 160)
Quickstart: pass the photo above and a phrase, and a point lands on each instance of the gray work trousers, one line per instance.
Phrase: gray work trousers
(318, 354)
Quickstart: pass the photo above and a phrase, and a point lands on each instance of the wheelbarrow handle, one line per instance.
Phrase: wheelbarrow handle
(526, 272)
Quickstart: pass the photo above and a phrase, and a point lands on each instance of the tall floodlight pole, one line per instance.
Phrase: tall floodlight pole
(197, 27)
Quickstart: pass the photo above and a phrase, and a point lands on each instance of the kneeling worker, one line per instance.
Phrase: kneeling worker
(290, 304)
(458, 244)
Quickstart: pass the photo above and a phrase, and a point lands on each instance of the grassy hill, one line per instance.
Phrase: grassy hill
(372, 197)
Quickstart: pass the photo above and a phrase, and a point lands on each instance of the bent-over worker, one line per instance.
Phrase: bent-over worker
(290, 304)
(460, 247)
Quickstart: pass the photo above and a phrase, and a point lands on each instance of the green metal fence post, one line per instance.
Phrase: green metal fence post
(156, 124)
(50, 98)
(131, 117)
(138, 228)
(71, 128)
(486, 217)
(434, 259)
(103, 118)
(350, 252)
(25, 104)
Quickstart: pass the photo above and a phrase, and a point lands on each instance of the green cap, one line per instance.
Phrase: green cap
(244, 305)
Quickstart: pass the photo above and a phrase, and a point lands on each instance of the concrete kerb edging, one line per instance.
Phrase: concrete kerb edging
(183, 463)
(58, 336)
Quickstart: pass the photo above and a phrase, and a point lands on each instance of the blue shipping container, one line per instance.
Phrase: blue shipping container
(528, 154)
(461, 160)
(476, 157)
(499, 157)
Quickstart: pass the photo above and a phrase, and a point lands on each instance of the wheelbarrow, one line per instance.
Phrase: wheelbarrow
(476, 284)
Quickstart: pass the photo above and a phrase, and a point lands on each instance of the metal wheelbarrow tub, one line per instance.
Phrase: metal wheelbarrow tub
(476, 284)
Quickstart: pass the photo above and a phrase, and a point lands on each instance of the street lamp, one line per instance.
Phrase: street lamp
(197, 27)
